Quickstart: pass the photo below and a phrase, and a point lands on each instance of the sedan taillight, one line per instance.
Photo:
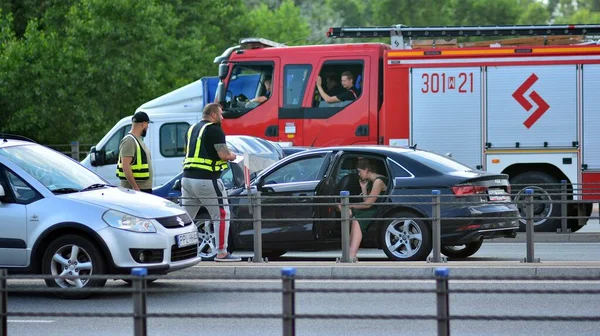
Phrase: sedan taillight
(468, 190)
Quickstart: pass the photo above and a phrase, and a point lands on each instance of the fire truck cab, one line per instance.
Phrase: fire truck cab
(524, 107)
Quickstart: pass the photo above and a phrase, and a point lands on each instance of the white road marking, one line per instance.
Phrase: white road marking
(30, 321)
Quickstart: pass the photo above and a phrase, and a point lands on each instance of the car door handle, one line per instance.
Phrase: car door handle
(302, 198)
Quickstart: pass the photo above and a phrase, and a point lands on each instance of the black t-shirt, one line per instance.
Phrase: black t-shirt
(336, 90)
(213, 134)
(350, 94)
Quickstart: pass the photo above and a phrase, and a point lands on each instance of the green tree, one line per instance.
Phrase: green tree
(535, 13)
(284, 24)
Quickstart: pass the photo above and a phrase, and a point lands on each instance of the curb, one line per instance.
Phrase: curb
(550, 237)
(328, 269)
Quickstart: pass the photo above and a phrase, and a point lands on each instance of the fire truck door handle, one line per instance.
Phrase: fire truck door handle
(272, 131)
(362, 130)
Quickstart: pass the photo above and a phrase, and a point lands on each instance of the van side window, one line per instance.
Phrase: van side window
(172, 139)
(111, 149)
(295, 79)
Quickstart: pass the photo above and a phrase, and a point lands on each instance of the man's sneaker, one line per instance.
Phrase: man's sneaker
(228, 258)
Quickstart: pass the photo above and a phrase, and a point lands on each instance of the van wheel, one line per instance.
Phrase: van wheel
(73, 256)
(461, 251)
(207, 248)
(406, 239)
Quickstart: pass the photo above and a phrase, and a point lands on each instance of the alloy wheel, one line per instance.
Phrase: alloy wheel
(206, 235)
(69, 262)
(403, 238)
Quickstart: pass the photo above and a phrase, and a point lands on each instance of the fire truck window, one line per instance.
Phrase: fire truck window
(295, 80)
(247, 87)
(331, 73)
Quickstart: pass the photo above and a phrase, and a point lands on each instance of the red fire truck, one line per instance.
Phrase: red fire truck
(521, 106)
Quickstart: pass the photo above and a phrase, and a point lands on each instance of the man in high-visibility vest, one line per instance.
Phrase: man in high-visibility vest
(134, 167)
(201, 185)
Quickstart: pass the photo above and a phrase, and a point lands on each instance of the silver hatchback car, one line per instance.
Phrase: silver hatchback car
(59, 218)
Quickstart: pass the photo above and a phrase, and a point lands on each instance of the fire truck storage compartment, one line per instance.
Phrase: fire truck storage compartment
(532, 106)
(591, 117)
(446, 112)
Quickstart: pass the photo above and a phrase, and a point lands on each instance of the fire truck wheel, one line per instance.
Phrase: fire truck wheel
(543, 186)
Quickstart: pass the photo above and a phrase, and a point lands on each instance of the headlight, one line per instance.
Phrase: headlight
(127, 222)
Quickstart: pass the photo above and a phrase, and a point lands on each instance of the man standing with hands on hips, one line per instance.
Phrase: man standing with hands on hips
(134, 168)
(206, 157)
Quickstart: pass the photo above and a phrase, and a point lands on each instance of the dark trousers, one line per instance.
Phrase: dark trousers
(149, 191)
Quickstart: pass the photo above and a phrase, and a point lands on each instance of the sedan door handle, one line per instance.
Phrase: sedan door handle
(302, 198)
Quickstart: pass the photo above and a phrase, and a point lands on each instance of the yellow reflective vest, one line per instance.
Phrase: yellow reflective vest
(139, 164)
(193, 158)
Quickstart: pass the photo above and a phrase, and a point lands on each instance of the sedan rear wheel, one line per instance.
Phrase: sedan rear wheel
(461, 251)
(406, 239)
(70, 257)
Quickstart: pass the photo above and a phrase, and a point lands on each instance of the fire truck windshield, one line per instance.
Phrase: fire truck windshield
(249, 86)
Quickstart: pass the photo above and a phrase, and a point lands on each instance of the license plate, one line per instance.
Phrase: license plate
(187, 239)
(498, 195)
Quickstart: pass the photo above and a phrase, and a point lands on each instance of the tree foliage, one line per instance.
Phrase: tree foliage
(69, 69)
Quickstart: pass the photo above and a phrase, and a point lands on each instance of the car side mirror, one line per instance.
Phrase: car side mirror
(223, 70)
(260, 183)
(220, 96)
(177, 185)
(96, 157)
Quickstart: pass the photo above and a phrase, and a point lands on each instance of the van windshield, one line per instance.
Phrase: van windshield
(57, 172)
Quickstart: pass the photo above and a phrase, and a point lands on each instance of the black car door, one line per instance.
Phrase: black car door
(287, 204)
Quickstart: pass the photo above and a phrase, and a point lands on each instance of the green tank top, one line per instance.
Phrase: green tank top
(382, 196)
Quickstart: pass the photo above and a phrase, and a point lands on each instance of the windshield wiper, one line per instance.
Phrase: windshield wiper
(96, 186)
(65, 190)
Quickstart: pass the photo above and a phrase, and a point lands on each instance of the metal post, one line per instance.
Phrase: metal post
(289, 298)
(443, 304)
(75, 150)
(139, 301)
(436, 226)
(3, 303)
(530, 227)
(345, 226)
(563, 207)
(256, 214)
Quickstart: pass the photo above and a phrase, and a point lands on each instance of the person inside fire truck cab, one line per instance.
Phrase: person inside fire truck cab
(333, 85)
(261, 99)
(350, 93)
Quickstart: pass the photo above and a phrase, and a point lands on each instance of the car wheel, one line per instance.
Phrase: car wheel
(148, 281)
(73, 256)
(207, 248)
(461, 251)
(548, 206)
(273, 254)
(406, 239)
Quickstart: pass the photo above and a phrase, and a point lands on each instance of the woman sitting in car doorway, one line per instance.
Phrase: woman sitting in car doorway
(373, 185)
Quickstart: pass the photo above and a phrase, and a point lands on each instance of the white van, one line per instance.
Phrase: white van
(171, 116)
(165, 140)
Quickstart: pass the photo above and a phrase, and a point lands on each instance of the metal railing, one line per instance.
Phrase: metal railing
(76, 150)
(436, 201)
(140, 291)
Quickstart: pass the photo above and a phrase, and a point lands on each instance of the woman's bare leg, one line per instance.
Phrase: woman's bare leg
(355, 238)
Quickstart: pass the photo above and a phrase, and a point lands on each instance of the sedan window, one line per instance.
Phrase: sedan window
(302, 170)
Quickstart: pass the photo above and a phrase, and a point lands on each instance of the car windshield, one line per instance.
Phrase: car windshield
(438, 162)
(54, 170)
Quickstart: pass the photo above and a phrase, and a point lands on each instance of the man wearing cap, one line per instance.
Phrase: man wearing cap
(134, 168)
